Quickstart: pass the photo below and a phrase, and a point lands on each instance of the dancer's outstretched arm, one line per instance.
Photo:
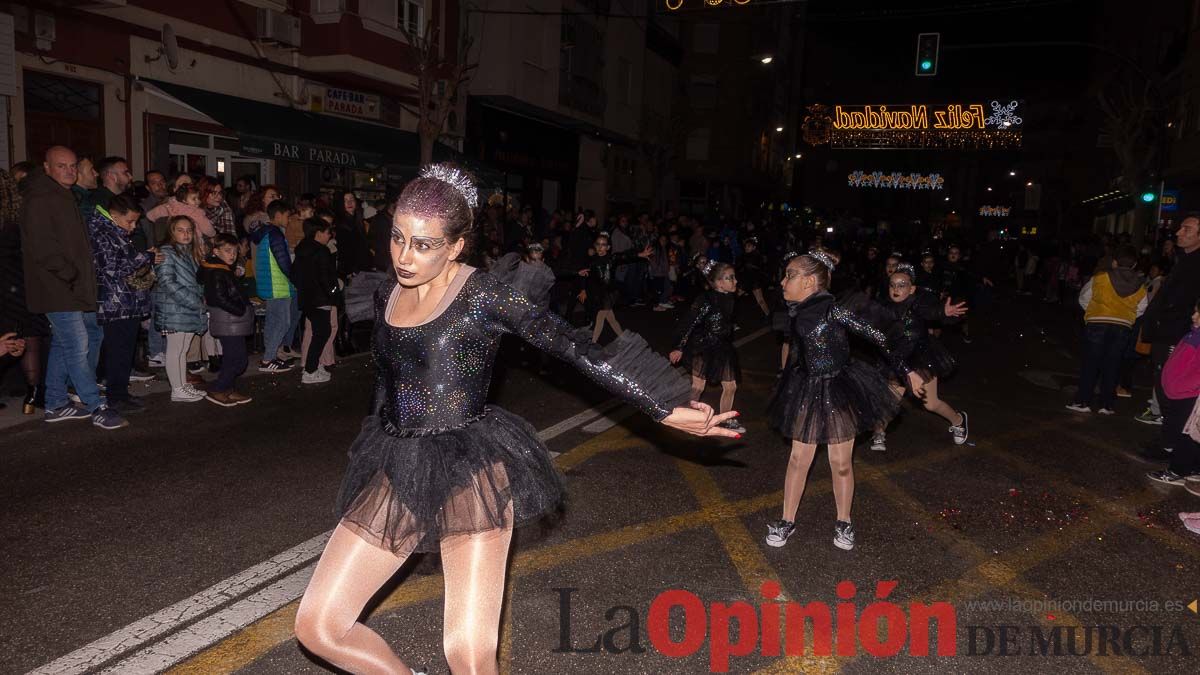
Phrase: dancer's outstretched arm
(628, 367)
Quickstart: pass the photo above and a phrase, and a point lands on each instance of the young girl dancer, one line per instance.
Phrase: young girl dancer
(905, 316)
(753, 273)
(434, 468)
(600, 289)
(704, 336)
(825, 396)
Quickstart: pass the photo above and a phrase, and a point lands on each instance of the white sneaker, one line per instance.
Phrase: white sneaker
(1078, 407)
(186, 394)
(317, 376)
(157, 361)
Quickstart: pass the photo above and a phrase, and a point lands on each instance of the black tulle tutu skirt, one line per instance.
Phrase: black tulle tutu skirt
(715, 363)
(831, 408)
(931, 359)
(406, 494)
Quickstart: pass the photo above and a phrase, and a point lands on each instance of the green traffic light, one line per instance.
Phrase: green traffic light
(1147, 197)
(926, 64)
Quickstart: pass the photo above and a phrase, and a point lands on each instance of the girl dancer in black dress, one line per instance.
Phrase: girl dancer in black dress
(434, 468)
(600, 289)
(825, 396)
(904, 318)
(753, 273)
(704, 337)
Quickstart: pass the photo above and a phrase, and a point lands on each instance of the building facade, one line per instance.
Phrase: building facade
(308, 94)
(568, 99)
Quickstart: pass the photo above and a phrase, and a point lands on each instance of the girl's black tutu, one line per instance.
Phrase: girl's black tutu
(831, 408)
(715, 363)
(406, 493)
(931, 359)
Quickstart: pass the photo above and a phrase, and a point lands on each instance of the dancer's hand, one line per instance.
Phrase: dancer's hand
(582, 296)
(675, 356)
(698, 419)
(955, 310)
(917, 385)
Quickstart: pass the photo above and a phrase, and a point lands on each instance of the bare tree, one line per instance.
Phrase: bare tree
(438, 82)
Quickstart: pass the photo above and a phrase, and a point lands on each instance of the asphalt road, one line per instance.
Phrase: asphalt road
(121, 534)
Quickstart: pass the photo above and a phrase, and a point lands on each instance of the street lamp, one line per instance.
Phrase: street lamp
(798, 155)
(1012, 173)
(1029, 184)
(779, 129)
(767, 59)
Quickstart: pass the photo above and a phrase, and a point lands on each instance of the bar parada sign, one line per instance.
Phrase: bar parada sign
(275, 148)
(912, 117)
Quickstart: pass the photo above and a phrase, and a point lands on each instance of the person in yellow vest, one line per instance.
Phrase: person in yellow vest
(1111, 300)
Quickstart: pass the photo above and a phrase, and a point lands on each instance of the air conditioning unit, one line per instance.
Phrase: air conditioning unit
(274, 26)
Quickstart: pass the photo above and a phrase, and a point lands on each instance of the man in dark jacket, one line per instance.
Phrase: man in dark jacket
(114, 179)
(60, 282)
(380, 236)
(1167, 319)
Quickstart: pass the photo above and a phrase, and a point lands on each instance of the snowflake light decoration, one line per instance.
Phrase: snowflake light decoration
(1003, 116)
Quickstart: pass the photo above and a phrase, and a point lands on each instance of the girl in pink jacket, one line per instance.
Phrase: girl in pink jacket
(185, 202)
(1181, 384)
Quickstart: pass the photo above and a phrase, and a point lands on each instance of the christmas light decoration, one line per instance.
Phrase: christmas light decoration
(1002, 116)
(895, 180)
(995, 211)
(914, 126)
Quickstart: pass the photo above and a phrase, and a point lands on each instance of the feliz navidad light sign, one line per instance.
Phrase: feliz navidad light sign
(965, 126)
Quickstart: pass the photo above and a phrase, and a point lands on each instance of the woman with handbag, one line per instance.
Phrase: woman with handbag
(124, 277)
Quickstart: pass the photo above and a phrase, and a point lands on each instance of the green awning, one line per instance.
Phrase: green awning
(278, 132)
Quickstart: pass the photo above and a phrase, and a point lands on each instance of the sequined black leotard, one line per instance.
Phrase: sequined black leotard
(824, 395)
(906, 325)
(435, 459)
(705, 336)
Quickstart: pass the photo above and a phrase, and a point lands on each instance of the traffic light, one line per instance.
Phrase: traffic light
(1148, 196)
(927, 54)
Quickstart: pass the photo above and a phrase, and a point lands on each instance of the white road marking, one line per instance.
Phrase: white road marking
(610, 420)
(163, 621)
(166, 653)
(288, 586)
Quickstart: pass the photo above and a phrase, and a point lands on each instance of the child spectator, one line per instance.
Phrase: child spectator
(179, 304)
(1181, 384)
(231, 318)
(185, 202)
(316, 279)
(272, 276)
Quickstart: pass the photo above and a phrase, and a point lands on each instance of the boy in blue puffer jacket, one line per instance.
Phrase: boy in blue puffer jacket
(272, 276)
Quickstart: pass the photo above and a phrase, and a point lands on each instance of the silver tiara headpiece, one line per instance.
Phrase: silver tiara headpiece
(907, 268)
(823, 258)
(456, 178)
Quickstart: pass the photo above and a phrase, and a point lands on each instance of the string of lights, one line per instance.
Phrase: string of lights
(896, 180)
(925, 138)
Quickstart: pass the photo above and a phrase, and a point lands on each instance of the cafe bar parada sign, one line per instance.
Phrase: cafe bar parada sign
(955, 125)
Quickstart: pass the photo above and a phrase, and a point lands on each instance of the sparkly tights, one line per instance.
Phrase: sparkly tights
(351, 571)
(840, 465)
